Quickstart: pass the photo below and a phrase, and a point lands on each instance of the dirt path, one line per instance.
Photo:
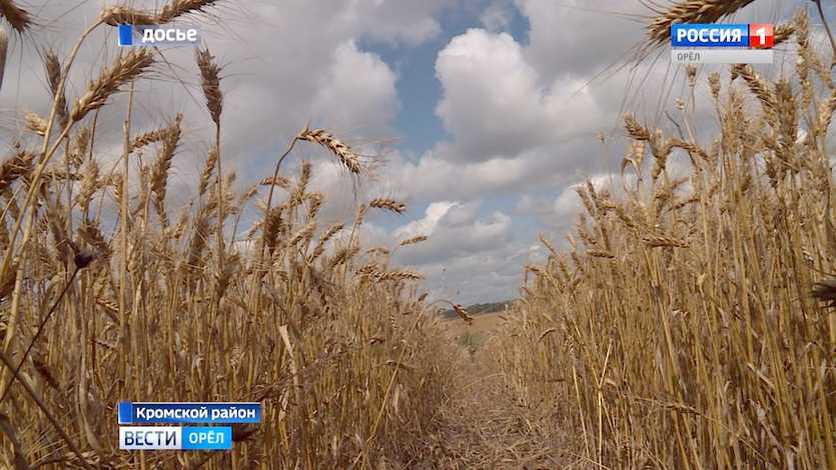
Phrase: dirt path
(485, 426)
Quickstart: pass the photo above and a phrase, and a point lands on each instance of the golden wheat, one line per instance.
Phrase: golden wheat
(690, 11)
(124, 70)
(344, 154)
(680, 348)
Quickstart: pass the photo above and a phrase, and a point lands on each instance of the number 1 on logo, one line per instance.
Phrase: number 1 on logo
(761, 36)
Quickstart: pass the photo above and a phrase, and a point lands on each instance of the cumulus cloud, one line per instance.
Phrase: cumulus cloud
(576, 38)
(345, 101)
(285, 63)
(493, 103)
(522, 120)
(521, 116)
(427, 224)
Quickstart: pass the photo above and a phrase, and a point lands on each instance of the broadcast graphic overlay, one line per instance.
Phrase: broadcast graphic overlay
(157, 35)
(722, 43)
(135, 433)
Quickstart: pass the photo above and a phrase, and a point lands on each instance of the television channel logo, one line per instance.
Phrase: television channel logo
(714, 43)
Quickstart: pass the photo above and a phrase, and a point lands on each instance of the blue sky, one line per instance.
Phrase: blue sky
(417, 124)
(486, 111)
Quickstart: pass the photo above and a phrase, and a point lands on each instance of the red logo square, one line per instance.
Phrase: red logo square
(761, 36)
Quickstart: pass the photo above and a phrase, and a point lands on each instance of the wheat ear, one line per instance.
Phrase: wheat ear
(690, 11)
(388, 204)
(125, 69)
(17, 17)
(343, 152)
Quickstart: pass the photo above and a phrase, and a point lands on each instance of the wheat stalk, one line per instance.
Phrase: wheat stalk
(18, 18)
(690, 11)
(272, 226)
(825, 291)
(655, 241)
(210, 81)
(161, 166)
(314, 204)
(402, 275)
(759, 87)
(600, 254)
(35, 123)
(4, 45)
(303, 235)
(175, 9)
(148, 138)
(783, 32)
(413, 240)
(328, 235)
(343, 255)
(114, 16)
(379, 250)
(15, 167)
(89, 184)
(462, 313)
(178, 8)
(279, 181)
(52, 66)
(340, 150)
(666, 306)
(388, 204)
(124, 70)
(208, 168)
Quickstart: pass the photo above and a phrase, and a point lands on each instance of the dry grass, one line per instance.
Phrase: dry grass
(691, 325)
(485, 425)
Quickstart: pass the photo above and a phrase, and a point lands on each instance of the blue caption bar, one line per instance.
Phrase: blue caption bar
(219, 438)
(175, 438)
(709, 35)
(193, 412)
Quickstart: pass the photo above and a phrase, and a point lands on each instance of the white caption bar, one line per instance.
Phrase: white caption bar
(706, 55)
(150, 438)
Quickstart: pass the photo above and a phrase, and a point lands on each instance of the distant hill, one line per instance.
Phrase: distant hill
(479, 309)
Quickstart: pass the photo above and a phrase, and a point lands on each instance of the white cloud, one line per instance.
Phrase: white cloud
(575, 38)
(285, 63)
(343, 101)
(426, 225)
(491, 101)
(521, 116)
(467, 257)
(494, 104)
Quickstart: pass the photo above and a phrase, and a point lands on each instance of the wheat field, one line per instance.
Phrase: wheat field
(690, 325)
